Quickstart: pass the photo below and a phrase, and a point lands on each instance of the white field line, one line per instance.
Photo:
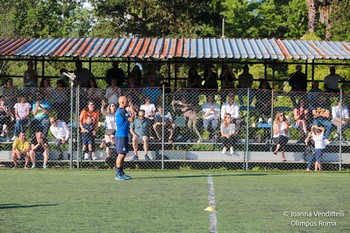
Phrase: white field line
(212, 215)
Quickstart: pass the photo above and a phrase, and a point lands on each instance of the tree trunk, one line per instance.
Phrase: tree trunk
(311, 15)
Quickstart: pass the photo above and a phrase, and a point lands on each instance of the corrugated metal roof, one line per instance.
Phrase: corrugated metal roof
(167, 48)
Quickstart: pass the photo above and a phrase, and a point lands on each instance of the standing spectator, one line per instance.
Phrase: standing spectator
(152, 91)
(280, 133)
(233, 109)
(314, 93)
(193, 84)
(317, 135)
(94, 93)
(245, 80)
(22, 111)
(60, 131)
(40, 147)
(45, 88)
(60, 101)
(210, 79)
(211, 115)
(10, 93)
(20, 150)
(227, 78)
(168, 124)
(63, 77)
(151, 76)
(82, 74)
(88, 133)
(117, 73)
(94, 115)
(298, 82)
(30, 76)
(41, 109)
(228, 133)
(5, 118)
(321, 113)
(135, 77)
(190, 113)
(340, 118)
(264, 101)
(331, 81)
(111, 125)
(123, 120)
(300, 116)
(138, 130)
(113, 92)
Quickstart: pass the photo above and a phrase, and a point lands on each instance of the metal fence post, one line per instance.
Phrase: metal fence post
(246, 145)
(71, 126)
(341, 130)
(78, 125)
(163, 105)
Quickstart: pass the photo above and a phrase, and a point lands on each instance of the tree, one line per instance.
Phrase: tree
(340, 19)
(185, 18)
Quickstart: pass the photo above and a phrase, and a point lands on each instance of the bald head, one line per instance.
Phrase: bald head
(122, 102)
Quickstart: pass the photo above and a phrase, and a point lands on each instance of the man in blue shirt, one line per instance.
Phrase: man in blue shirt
(41, 110)
(123, 120)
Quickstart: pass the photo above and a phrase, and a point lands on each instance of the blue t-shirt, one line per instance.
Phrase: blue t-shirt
(40, 113)
(123, 125)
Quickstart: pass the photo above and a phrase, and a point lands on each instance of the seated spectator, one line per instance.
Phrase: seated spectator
(40, 147)
(151, 77)
(321, 113)
(189, 112)
(300, 116)
(60, 131)
(264, 101)
(110, 123)
(167, 122)
(41, 109)
(211, 115)
(20, 150)
(113, 92)
(149, 108)
(281, 133)
(91, 117)
(22, 111)
(135, 77)
(331, 81)
(138, 130)
(340, 118)
(228, 134)
(5, 118)
(233, 109)
(152, 91)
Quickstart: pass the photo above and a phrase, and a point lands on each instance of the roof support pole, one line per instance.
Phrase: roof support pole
(90, 64)
(43, 67)
(128, 66)
(175, 65)
(265, 70)
(313, 70)
(273, 75)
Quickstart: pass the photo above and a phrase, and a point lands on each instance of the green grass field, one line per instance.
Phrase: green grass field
(57, 200)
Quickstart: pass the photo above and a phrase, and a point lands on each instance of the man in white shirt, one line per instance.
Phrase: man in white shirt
(332, 80)
(211, 114)
(340, 118)
(233, 109)
(60, 131)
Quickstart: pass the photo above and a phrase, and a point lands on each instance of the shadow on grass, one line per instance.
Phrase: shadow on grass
(199, 176)
(15, 206)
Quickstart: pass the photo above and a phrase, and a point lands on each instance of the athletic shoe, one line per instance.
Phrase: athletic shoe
(94, 158)
(231, 150)
(33, 166)
(127, 177)
(120, 177)
(14, 138)
(344, 142)
(135, 158)
(147, 158)
(86, 157)
(2, 135)
(44, 166)
(326, 141)
(336, 136)
(224, 150)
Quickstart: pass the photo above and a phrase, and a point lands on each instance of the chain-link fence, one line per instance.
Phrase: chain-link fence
(238, 128)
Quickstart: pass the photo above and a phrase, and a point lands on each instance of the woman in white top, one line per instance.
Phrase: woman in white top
(228, 133)
(111, 125)
(22, 110)
(280, 133)
(113, 92)
(317, 134)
